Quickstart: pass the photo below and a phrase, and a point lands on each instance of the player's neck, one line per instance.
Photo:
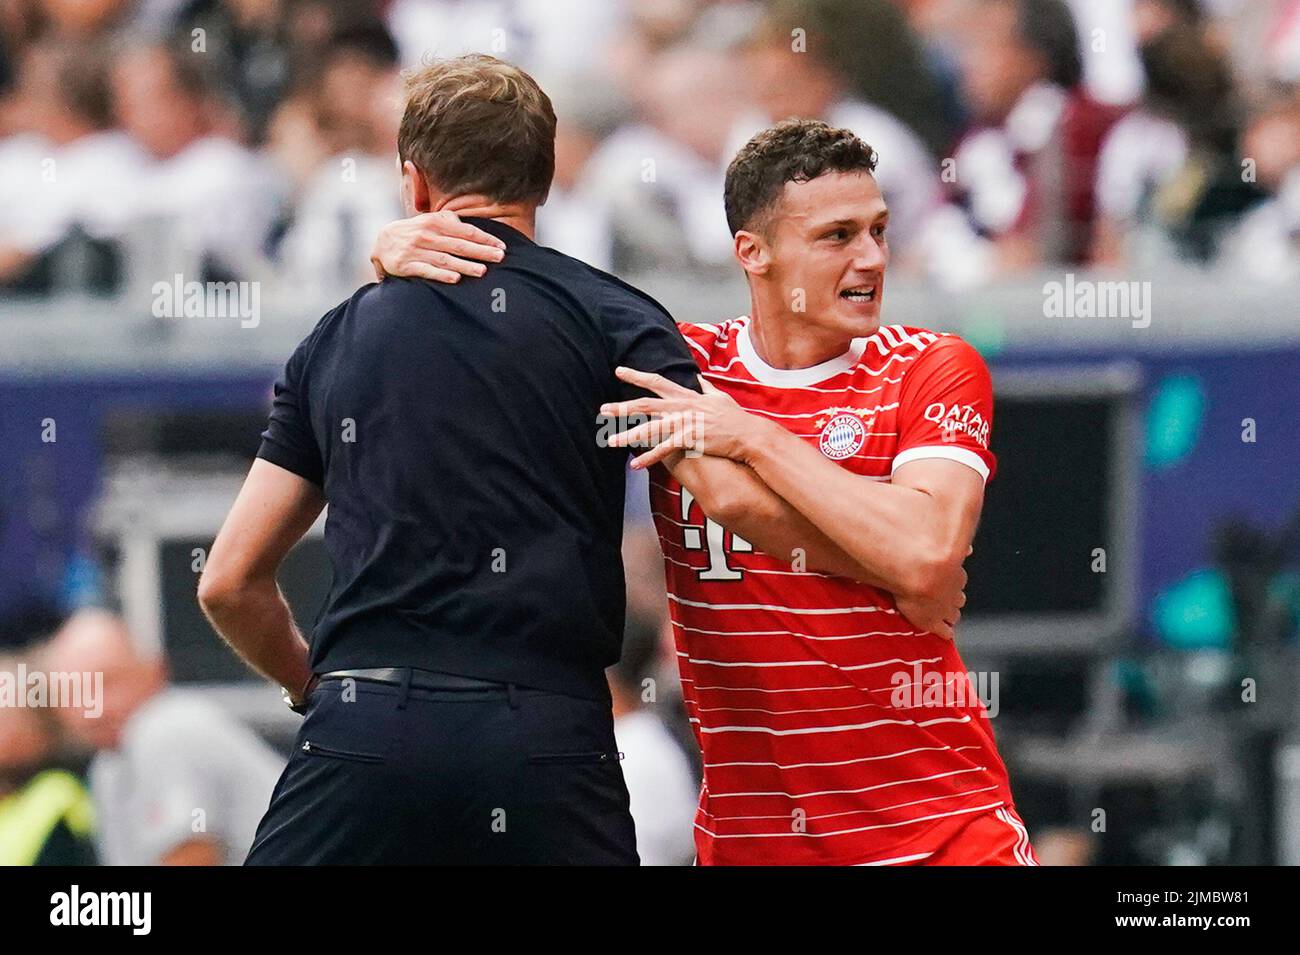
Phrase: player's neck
(784, 340)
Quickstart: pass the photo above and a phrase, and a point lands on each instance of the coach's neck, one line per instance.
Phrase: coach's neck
(521, 217)
(419, 196)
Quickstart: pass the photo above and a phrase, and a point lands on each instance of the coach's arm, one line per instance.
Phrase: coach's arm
(238, 591)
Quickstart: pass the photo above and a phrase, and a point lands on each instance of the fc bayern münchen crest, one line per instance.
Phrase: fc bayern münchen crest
(843, 437)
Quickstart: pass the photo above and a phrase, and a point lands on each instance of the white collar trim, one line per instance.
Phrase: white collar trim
(796, 377)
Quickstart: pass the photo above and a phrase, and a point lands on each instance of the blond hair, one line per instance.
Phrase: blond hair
(476, 124)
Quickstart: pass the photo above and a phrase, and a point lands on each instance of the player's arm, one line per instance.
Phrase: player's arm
(199, 851)
(737, 498)
(731, 493)
(917, 529)
(238, 590)
(914, 531)
(895, 533)
(438, 245)
(912, 534)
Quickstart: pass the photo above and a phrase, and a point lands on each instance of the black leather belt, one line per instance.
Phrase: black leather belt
(420, 679)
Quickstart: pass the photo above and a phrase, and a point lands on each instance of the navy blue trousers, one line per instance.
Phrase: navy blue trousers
(514, 776)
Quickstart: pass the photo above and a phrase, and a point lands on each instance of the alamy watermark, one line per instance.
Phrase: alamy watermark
(40, 689)
(133, 910)
(181, 299)
(920, 689)
(1085, 298)
(680, 430)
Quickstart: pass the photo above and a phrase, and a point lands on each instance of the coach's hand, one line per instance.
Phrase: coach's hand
(709, 423)
(436, 246)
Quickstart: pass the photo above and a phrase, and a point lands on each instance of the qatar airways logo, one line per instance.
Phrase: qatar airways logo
(959, 419)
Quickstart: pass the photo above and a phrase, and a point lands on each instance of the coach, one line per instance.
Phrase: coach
(453, 685)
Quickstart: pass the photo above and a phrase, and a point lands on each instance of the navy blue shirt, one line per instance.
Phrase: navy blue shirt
(475, 520)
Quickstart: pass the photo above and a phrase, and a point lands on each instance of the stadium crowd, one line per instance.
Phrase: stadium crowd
(254, 139)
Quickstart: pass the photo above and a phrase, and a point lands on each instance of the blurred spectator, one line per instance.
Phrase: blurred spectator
(648, 28)
(577, 218)
(789, 80)
(66, 181)
(542, 36)
(902, 75)
(660, 783)
(176, 781)
(1168, 176)
(82, 20)
(1262, 37)
(1265, 244)
(933, 23)
(1151, 18)
(248, 38)
(352, 193)
(1112, 72)
(1025, 171)
(255, 138)
(663, 178)
(46, 814)
(445, 28)
(202, 192)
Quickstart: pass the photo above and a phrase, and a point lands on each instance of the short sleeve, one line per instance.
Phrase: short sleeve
(192, 765)
(946, 408)
(288, 440)
(182, 789)
(642, 336)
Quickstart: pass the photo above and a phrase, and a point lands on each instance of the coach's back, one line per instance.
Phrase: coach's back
(474, 521)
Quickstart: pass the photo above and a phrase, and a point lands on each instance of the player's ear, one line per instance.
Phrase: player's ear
(752, 252)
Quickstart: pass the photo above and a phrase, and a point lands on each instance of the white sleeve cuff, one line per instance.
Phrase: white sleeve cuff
(960, 455)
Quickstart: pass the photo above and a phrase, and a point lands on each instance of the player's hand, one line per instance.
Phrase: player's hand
(709, 423)
(937, 612)
(436, 246)
(929, 616)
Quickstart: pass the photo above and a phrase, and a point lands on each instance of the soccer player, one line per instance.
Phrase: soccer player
(814, 605)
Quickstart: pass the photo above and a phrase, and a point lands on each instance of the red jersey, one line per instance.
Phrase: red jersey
(832, 731)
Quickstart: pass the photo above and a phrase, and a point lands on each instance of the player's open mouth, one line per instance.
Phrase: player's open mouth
(860, 293)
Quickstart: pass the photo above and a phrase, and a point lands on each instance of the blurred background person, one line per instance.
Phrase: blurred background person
(65, 178)
(202, 193)
(577, 218)
(250, 40)
(804, 61)
(175, 779)
(46, 814)
(1024, 171)
(663, 788)
(348, 195)
(1265, 243)
(1169, 177)
(662, 177)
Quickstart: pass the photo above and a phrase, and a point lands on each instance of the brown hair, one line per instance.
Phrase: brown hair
(795, 150)
(476, 124)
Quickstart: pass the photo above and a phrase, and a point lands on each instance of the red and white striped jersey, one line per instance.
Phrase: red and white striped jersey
(832, 731)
